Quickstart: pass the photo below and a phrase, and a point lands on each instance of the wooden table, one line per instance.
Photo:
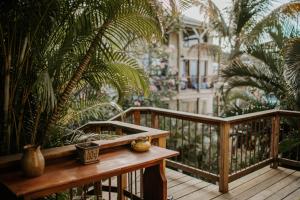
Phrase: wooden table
(69, 173)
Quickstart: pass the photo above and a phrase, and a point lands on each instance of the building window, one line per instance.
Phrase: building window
(189, 74)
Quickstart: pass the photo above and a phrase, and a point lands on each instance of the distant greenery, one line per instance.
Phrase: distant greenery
(163, 80)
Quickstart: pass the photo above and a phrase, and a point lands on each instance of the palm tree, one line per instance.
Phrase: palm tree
(247, 33)
(51, 48)
(292, 68)
(117, 21)
(262, 68)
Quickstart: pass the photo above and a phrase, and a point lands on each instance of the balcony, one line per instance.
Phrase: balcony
(220, 158)
(222, 150)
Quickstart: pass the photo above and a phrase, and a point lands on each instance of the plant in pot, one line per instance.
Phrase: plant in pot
(88, 152)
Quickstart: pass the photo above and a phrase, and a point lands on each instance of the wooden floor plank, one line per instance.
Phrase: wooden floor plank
(276, 187)
(179, 181)
(245, 186)
(208, 192)
(189, 189)
(294, 196)
(263, 185)
(248, 177)
(284, 192)
(266, 183)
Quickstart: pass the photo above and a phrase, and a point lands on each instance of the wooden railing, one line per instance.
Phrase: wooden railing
(223, 149)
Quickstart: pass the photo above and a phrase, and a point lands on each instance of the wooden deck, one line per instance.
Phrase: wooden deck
(266, 183)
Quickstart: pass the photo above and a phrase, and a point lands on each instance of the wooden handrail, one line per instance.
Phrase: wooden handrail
(208, 119)
(226, 127)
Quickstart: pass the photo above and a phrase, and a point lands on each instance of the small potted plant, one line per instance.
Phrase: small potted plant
(88, 152)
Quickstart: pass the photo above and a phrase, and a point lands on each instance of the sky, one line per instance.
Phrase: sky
(194, 12)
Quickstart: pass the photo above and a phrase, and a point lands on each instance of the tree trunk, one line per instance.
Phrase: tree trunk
(72, 84)
(6, 124)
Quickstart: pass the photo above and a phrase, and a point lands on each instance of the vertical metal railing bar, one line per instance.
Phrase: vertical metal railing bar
(131, 183)
(250, 143)
(236, 148)
(209, 150)
(141, 183)
(109, 188)
(195, 141)
(232, 152)
(135, 183)
(182, 138)
(255, 138)
(202, 145)
(176, 133)
(218, 148)
(241, 144)
(246, 143)
(71, 193)
(259, 140)
(189, 142)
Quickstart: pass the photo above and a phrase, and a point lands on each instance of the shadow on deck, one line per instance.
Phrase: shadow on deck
(266, 183)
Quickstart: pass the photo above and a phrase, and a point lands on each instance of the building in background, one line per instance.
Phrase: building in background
(195, 59)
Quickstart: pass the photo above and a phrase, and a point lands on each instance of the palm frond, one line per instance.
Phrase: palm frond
(245, 13)
(283, 14)
(215, 17)
(82, 111)
(292, 67)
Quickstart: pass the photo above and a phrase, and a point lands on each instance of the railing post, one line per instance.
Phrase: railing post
(224, 157)
(154, 120)
(275, 140)
(137, 117)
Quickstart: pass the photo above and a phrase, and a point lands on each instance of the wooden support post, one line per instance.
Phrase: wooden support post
(224, 157)
(162, 141)
(275, 140)
(137, 117)
(119, 131)
(122, 185)
(155, 176)
(154, 120)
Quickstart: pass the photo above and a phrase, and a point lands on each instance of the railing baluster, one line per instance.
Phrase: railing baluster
(255, 138)
(141, 183)
(154, 120)
(135, 183)
(241, 145)
(202, 146)
(246, 142)
(137, 117)
(109, 189)
(189, 142)
(209, 150)
(182, 138)
(232, 152)
(250, 143)
(195, 142)
(236, 147)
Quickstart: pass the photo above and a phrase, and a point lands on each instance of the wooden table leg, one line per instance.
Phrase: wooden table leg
(155, 183)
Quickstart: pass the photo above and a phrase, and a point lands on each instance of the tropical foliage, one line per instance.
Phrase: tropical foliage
(257, 42)
(51, 50)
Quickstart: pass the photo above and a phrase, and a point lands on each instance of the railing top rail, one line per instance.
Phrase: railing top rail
(209, 119)
(289, 112)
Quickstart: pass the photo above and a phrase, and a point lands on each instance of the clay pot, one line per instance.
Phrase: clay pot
(32, 162)
(141, 144)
